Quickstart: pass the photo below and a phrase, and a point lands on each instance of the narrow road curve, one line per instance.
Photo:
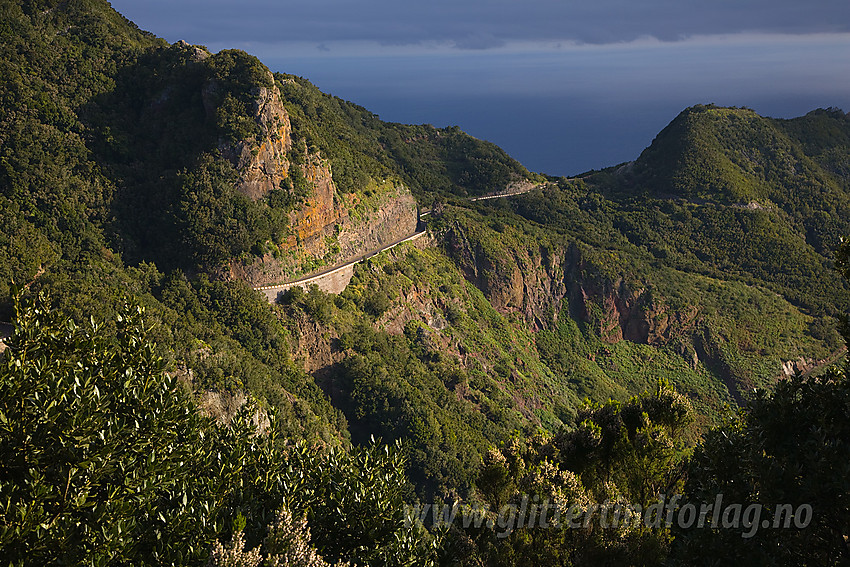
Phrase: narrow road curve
(501, 195)
(342, 266)
(357, 259)
(514, 192)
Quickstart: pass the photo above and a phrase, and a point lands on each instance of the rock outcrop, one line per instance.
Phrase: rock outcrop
(262, 162)
(331, 228)
(328, 227)
(619, 310)
(321, 213)
(223, 406)
(805, 365)
(5, 332)
(534, 282)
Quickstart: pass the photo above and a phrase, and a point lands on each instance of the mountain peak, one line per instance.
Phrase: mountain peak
(727, 155)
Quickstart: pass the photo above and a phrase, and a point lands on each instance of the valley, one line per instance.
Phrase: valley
(249, 303)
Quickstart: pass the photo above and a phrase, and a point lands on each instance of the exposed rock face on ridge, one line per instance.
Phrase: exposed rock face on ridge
(804, 365)
(330, 228)
(330, 219)
(620, 311)
(320, 213)
(394, 219)
(265, 168)
(261, 162)
(197, 53)
(534, 282)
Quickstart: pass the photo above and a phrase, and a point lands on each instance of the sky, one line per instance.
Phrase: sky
(564, 86)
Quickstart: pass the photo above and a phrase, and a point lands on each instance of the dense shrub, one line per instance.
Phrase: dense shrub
(106, 460)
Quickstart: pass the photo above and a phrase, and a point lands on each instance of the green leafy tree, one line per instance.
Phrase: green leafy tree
(786, 448)
(105, 460)
(94, 440)
(613, 456)
(215, 221)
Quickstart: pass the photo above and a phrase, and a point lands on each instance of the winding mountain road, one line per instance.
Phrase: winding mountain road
(272, 291)
(505, 194)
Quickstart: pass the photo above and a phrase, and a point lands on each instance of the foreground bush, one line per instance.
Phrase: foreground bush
(105, 460)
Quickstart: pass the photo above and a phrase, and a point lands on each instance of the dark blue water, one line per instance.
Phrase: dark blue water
(551, 135)
(567, 113)
(559, 136)
(560, 106)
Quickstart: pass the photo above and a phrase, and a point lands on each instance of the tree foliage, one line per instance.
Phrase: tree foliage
(786, 448)
(96, 445)
(106, 460)
(614, 454)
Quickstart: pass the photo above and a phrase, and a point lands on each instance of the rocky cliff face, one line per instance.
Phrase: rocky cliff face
(534, 282)
(262, 161)
(619, 310)
(352, 222)
(331, 228)
(521, 280)
(328, 227)
(323, 210)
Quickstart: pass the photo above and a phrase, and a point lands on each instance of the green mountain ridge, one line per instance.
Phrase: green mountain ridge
(706, 266)
(604, 259)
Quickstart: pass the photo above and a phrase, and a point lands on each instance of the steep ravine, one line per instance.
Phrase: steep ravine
(539, 283)
(534, 282)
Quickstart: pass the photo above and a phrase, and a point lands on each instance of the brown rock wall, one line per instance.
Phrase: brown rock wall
(262, 163)
(536, 282)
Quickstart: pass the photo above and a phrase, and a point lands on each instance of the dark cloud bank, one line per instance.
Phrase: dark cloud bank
(481, 24)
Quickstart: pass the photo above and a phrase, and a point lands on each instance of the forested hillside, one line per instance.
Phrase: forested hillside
(574, 342)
